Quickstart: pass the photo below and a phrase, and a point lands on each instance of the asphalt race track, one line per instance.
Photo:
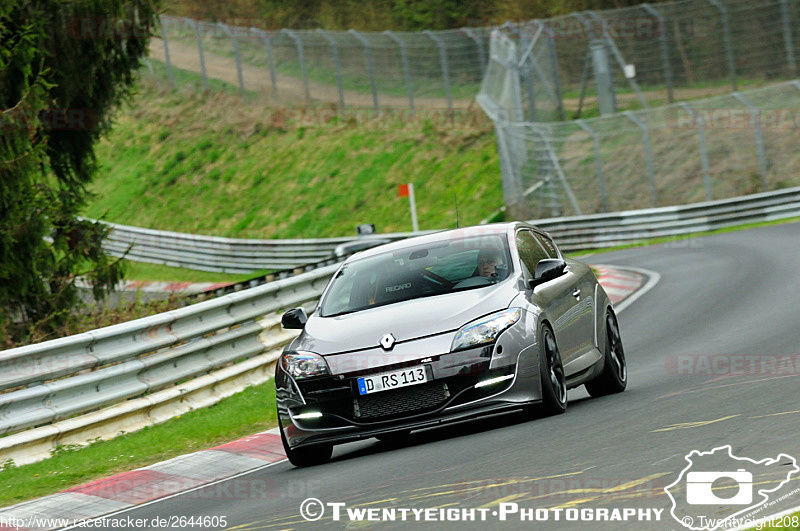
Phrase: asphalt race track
(712, 351)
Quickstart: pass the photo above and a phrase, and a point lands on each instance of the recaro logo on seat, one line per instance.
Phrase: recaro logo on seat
(398, 287)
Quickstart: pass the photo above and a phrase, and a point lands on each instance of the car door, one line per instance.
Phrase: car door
(583, 291)
(554, 297)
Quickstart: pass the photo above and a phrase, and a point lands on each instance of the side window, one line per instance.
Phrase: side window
(530, 252)
(548, 245)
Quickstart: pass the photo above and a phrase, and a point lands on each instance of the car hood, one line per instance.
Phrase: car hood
(406, 320)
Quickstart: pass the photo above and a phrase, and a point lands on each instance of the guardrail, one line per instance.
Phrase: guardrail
(227, 338)
(55, 380)
(607, 230)
(225, 255)
(211, 253)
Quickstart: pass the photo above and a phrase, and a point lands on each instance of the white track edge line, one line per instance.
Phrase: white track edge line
(652, 279)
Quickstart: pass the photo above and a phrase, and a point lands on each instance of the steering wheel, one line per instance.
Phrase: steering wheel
(439, 278)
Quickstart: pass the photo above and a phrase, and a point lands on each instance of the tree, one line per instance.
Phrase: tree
(64, 67)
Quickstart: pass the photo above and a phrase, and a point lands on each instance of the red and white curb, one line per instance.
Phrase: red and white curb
(178, 288)
(212, 473)
(200, 473)
(618, 283)
(182, 288)
(624, 285)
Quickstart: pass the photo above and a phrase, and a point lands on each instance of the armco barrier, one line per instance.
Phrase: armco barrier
(214, 253)
(221, 343)
(573, 233)
(607, 230)
(52, 381)
(210, 253)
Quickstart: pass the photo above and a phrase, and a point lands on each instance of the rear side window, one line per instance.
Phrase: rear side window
(547, 244)
(530, 251)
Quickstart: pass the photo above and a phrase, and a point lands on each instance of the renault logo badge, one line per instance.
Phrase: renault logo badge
(387, 341)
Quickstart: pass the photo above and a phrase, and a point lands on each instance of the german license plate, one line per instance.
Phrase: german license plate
(386, 381)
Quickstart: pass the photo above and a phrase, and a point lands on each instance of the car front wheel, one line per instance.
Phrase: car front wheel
(308, 455)
(554, 383)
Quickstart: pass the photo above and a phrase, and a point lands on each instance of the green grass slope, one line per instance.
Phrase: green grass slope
(215, 164)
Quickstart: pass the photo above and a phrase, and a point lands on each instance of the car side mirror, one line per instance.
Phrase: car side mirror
(546, 270)
(294, 319)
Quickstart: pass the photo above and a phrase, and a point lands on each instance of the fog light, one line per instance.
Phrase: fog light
(495, 380)
(309, 415)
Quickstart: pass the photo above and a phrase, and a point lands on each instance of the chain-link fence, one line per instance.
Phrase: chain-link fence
(686, 152)
(441, 69)
(655, 54)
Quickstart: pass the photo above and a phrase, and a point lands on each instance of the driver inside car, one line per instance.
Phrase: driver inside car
(488, 262)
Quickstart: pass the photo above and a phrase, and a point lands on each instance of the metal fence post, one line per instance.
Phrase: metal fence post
(270, 58)
(787, 38)
(510, 174)
(194, 26)
(527, 71)
(618, 56)
(445, 71)
(166, 50)
(701, 134)
(370, 67)
(336, 65)
(598, 162)
(648, 155)
(603, 77)
(302, 58)
(556, 74)
(479, 46)
(662, 30)
(406, 70)
(726, 39)
(755, 119)
(232, 35)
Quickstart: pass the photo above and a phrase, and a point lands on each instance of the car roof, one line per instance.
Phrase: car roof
(463, 232)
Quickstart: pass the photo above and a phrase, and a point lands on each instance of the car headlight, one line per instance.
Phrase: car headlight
(301, 364)
(485, 330)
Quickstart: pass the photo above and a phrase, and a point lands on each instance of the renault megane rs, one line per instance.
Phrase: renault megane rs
(441, 328)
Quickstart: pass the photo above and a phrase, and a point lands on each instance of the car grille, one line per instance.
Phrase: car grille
(389, 403)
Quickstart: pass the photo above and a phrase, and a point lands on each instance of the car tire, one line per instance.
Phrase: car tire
(316, 454)
(394, 437)
(554, 384)
(614, 378)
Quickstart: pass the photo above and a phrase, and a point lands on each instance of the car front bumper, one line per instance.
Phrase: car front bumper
(449, 396)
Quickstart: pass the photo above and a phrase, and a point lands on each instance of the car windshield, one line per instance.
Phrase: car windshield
(418, 271)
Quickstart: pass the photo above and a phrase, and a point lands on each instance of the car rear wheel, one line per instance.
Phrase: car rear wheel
(554, 383)
(307, 455)
(614, 377)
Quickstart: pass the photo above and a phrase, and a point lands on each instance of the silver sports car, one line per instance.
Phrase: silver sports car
(441, 328)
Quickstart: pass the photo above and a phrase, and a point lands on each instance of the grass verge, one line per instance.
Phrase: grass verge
(245, 413)
(210, 163)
